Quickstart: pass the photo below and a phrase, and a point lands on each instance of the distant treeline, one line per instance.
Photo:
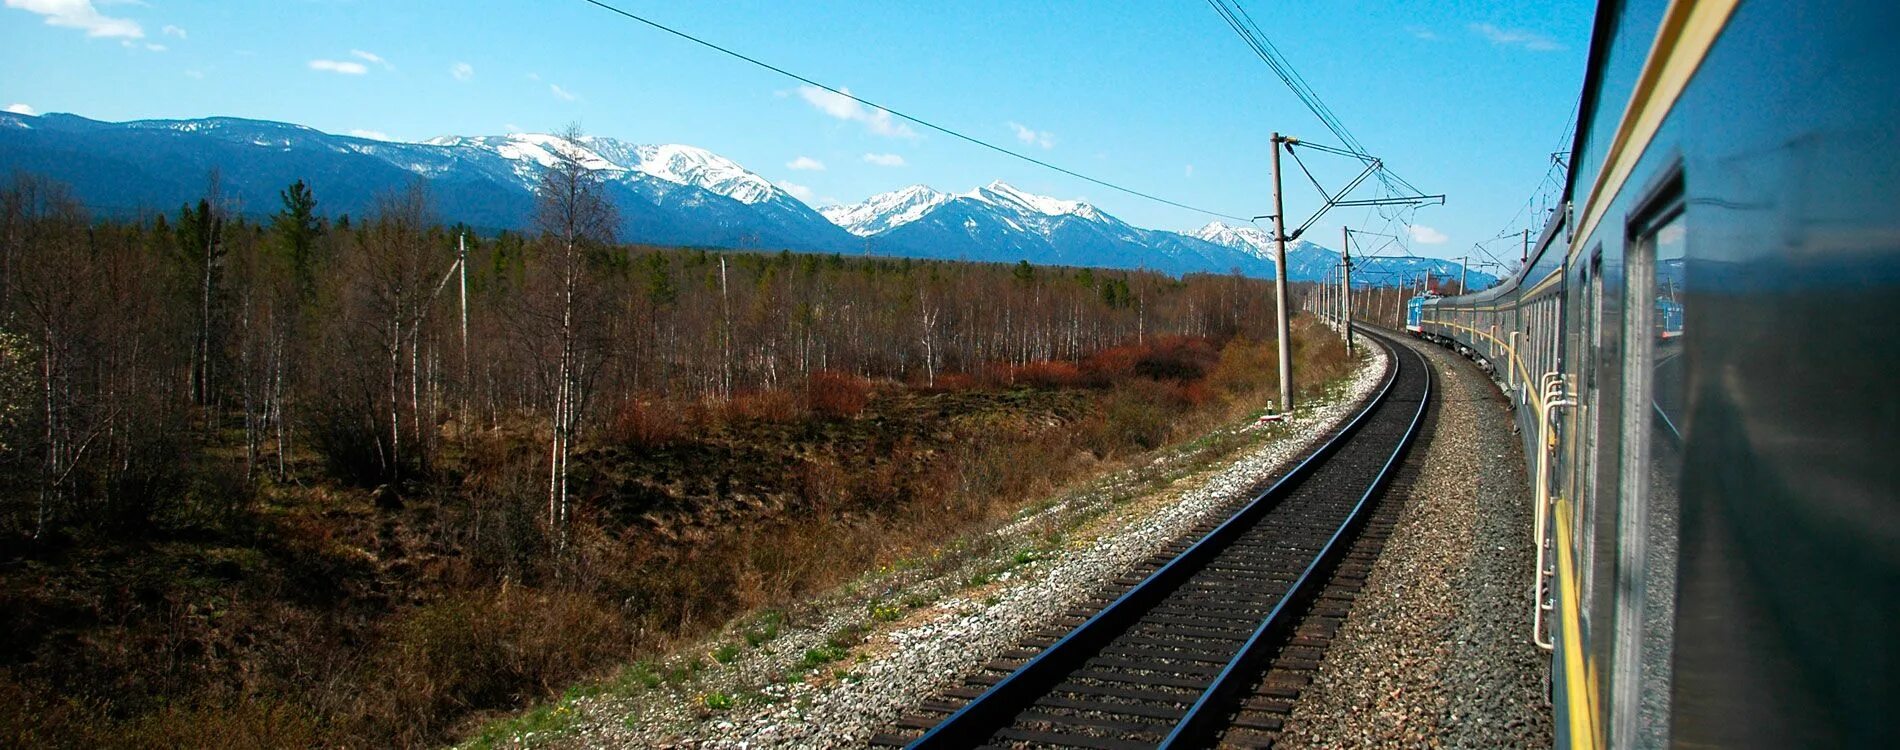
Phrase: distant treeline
(363, 340)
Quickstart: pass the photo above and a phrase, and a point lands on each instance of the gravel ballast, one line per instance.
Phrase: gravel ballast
(1436, 651)
(974, 612)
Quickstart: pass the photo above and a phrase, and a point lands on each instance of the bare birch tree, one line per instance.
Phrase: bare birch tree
(576, 222)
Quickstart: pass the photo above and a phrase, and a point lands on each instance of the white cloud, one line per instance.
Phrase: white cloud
(462, 71)
(374, 135)
(1033, 136)
(798, 191)
(806, 163)
(1190, 170)
(1420, 32)
(561, 92)
(171, 30)
(1529, 40)
(156, 47)
(884, 160)
(878, 121)
(371, 57)
(79, 14)
(21, 109)
(335, 66)
(195, 73)
(1425, 235)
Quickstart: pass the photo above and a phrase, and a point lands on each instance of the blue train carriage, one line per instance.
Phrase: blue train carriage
(1414, 311)
(1716, 517)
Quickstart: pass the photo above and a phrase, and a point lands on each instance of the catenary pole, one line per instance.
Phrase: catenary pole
(1283, 330)
(1345, 285)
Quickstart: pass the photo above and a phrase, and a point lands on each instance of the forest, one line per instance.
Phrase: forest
(292, 479)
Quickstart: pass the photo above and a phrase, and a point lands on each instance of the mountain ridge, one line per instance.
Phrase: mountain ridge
(672, 194)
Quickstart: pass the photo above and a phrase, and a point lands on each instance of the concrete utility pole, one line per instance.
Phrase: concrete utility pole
(1464, 272)
(461, 260)
(1283, 330)
(1345, 285)
(1525, 258)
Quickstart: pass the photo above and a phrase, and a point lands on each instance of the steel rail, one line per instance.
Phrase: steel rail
(1209, 714)
(990, 711)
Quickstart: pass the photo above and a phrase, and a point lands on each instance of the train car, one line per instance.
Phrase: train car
(1414, 310)
(1717, 516)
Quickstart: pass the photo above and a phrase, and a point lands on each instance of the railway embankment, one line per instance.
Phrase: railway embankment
(1435, 651)
(852, 663)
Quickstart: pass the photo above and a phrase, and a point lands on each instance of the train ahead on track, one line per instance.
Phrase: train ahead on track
(1702, 354)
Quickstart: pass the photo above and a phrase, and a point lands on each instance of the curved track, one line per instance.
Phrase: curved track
(1167, 663)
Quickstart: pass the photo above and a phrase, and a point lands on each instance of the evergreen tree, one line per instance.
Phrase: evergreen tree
(297, 228)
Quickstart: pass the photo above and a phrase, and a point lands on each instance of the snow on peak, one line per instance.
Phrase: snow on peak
(1000, 193)
(1253, 240)
(687, 165)
(678, 164)
(537, 148)
(885, 211)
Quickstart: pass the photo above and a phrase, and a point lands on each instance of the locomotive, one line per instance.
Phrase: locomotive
(1700, 354)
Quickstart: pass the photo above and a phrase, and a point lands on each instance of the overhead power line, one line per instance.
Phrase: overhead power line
(920, 121)
(1394, 191)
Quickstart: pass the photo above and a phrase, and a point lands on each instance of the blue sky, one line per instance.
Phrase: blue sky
(1463, 98)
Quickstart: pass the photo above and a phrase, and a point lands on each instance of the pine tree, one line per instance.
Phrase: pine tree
(297, 228)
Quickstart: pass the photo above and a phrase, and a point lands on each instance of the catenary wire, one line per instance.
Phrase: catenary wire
(925, 123)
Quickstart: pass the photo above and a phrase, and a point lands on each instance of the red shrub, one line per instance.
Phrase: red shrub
(956, 381)
(1110, 365)
(766, 406)
(1178, 358)
(836, 394)
(648, 423)
(1048, 375)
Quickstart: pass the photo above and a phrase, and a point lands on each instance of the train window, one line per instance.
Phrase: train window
(1650, 466)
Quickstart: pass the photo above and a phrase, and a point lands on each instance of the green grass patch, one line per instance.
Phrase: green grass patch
(763, 628)
(822, 655)
(532, 729)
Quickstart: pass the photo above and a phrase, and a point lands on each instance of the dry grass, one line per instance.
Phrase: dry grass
(364, 626)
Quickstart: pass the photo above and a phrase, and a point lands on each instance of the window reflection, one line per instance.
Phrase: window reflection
(1667, 326)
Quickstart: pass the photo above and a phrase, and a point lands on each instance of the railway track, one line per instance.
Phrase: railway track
(1170, 662)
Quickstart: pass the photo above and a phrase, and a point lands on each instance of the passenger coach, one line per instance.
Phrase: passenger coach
(1701, 351)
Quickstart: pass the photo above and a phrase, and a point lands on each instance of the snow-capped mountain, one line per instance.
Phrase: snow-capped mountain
(1000, 222)
(673, 163)
(1305, 260)
(1248, 239)
(704, 169)
(885, 211)
(1007, 197)
(668, 194)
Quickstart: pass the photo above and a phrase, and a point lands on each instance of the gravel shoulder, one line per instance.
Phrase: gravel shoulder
(1436, 650)
(846, 666)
